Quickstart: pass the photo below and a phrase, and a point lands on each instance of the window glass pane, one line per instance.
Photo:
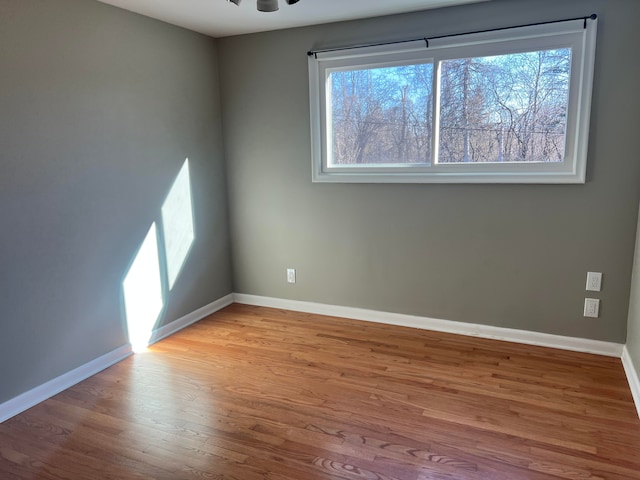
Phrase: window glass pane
(505, 108)
(382, 115)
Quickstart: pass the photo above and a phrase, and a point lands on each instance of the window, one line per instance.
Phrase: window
(505, 106)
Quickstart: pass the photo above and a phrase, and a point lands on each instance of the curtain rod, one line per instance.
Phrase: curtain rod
(426, 39)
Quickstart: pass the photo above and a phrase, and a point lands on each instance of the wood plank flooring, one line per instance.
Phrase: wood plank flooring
(254, 393)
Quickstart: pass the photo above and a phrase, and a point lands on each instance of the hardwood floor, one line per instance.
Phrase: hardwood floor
(254, 393)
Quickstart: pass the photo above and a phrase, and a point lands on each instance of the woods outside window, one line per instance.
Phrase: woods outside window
(504, 106)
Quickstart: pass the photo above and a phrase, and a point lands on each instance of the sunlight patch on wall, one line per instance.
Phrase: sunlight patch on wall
(142, 289)
(177, 223)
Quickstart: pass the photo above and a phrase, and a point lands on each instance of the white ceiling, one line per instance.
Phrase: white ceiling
(220, 18)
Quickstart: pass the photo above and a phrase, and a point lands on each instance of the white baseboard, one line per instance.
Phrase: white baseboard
(483, 331)
(190, 318)
(633, 376)
(47, 390)
(40, 393)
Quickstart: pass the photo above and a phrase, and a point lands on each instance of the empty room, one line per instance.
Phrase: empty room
(319, 239)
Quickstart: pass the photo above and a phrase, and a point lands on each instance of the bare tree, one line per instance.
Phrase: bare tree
(505, 108)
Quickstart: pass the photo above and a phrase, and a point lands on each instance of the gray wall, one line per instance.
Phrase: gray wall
(633, 327)
(98, 110)
(506, 255)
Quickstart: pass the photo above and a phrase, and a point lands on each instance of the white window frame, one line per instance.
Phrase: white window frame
(579, 35)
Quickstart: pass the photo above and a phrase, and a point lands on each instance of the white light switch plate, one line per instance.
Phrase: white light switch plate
(291, 275)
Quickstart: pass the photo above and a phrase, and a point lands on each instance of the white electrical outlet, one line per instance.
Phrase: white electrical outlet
(594, 281)
(591, 307)
(291, 275)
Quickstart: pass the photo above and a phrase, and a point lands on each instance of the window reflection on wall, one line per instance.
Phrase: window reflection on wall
(177, 224)
(143, 292)
(142, 288)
